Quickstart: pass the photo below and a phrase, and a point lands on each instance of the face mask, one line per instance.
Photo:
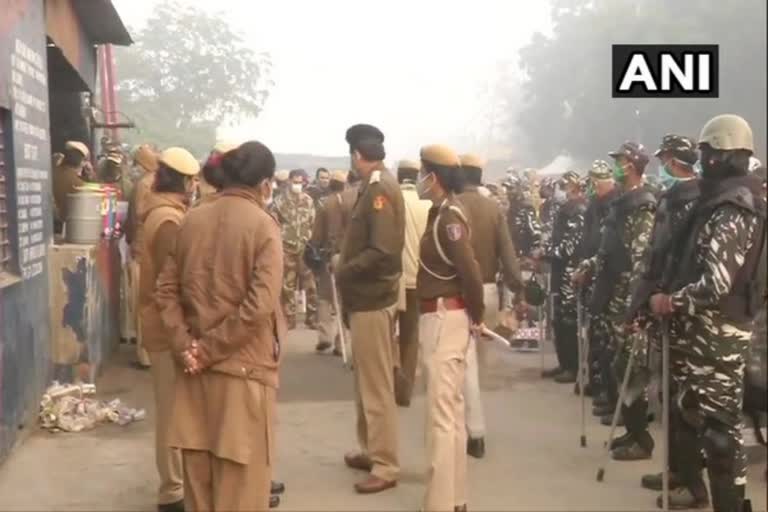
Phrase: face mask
(268, 198)
(666, 178)
(422, 188)
(619, 174)
(296, 188)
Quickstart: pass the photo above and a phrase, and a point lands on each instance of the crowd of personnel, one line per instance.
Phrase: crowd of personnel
(426, 263)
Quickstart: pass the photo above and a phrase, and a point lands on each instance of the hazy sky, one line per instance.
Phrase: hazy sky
(415, 68)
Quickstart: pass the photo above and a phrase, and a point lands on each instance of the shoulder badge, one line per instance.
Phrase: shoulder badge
(378, 202)
(375, 177)
(455, 231)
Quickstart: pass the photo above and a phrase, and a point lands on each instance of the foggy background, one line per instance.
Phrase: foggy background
(520, 82)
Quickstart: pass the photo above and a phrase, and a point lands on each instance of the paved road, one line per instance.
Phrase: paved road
(534, 460)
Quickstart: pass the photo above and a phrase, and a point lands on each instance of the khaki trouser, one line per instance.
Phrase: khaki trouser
(215, 484)
(408, 344)
(373, 359)
(128, 305)
(444, 337)
(326, 322)
(141, 354)
(476, 358)
(167, 459)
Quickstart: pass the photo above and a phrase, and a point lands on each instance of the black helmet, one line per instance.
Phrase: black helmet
(679, 146)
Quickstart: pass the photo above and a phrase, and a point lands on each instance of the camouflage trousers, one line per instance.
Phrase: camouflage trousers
(707, 367)
(565, 322)
(599, 332)
(297, 276)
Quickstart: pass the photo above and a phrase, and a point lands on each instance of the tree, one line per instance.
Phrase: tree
(568, 106)
(188, 73)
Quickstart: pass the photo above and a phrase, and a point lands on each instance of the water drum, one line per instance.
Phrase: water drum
(85, 222)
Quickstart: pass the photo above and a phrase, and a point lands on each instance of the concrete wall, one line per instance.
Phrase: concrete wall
(24, 320)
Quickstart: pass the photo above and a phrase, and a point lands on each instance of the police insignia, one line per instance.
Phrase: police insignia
(378, 202)
(454, 232)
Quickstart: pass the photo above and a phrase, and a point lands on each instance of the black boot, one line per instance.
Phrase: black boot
(683, 498)
(654, 483)
(476, 447)
(171, 507)
(622, 440)
(274, 501)
(276, 487)
(551, 373)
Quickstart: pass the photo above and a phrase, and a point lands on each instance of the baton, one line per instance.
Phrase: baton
(665, 396)
(339, 322)
(496, 337)
(581, 352)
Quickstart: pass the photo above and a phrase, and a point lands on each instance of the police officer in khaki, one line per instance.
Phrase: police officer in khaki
(67, 177)
(416, 212)
(368, 275)
(226, 327)
(495, 253)
(450, 287)
(163, 213)
(326, 239)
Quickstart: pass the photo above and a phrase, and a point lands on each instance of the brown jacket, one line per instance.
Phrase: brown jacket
(162, 215)
(222, 286)
(371, 251)
(329, 223)
(490, 239)
(459, 276)
(137, 209)
(65, 181)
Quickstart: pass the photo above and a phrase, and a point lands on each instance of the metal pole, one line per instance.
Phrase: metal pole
(579, 342)
(617, 411)
(109, 63)
(339, 322)
(665, 397)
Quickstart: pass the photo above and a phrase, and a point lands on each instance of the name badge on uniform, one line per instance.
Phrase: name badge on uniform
(455, 232)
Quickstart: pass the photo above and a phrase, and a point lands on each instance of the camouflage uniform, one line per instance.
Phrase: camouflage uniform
(633, 228)
(568, 229)
(296, 213)
(524, 227)
(547, 216)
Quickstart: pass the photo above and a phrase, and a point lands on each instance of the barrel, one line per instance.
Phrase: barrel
(85, 222)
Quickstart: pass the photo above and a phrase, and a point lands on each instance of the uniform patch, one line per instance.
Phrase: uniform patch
(455, 232)
(378, 202)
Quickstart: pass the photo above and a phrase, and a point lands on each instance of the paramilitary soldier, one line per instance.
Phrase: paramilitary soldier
(677, 155)
(567, 231)
(524, 226)
(619, 262)
(551, 202)
(450, 287)
(602, 190)
(494, 252)
(714, 288)
(368, 273)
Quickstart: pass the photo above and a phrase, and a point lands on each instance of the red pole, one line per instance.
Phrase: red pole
(112, 83)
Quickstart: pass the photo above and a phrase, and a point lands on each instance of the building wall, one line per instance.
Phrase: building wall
(24, 320)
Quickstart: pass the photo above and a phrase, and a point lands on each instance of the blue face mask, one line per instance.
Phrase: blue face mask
(666, 179)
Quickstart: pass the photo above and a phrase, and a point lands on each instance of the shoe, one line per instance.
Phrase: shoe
(358, 461)
(548, 374)
(681, 498)
(588, 389)
(602, 410)
(322, 346)
(567, 377)
(476, 447)
(277, 487)
(531, 345)
(608, 418)
(177, 506)
(274, 501)
(374, 484)
(140, 366)
(622, 440)
(336, 352)
(460, 508)
(653, 481)
(600, 401)
(632, 451)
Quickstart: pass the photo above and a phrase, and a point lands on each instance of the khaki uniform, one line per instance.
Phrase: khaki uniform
(368, 277)
(493, 251)
(65, 181)
(162, 217)
(326, 236)
(223, 418)
(416, 212)
(450, 288)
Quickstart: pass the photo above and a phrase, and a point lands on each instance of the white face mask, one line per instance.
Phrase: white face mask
(423, 188)
(268, 199)
(296, 188)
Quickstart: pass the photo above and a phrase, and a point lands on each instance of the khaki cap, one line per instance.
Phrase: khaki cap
(79, 146)
(181, 161)
(146, 157)
(472, 160)
(409, 164)
(439, 154)
(282, 175)
(339, 175)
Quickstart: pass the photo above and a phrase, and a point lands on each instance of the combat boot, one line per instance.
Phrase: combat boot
(476, 447)
(641, 448)
(554, 372)
(566, 377)
(602, 410)
(622, 440)
(654, 481)
(682, 498)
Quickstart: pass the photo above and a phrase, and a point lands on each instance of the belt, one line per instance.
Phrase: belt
(449, 303)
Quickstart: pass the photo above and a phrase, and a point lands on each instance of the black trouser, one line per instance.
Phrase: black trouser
(566, 344)
(636, 422)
